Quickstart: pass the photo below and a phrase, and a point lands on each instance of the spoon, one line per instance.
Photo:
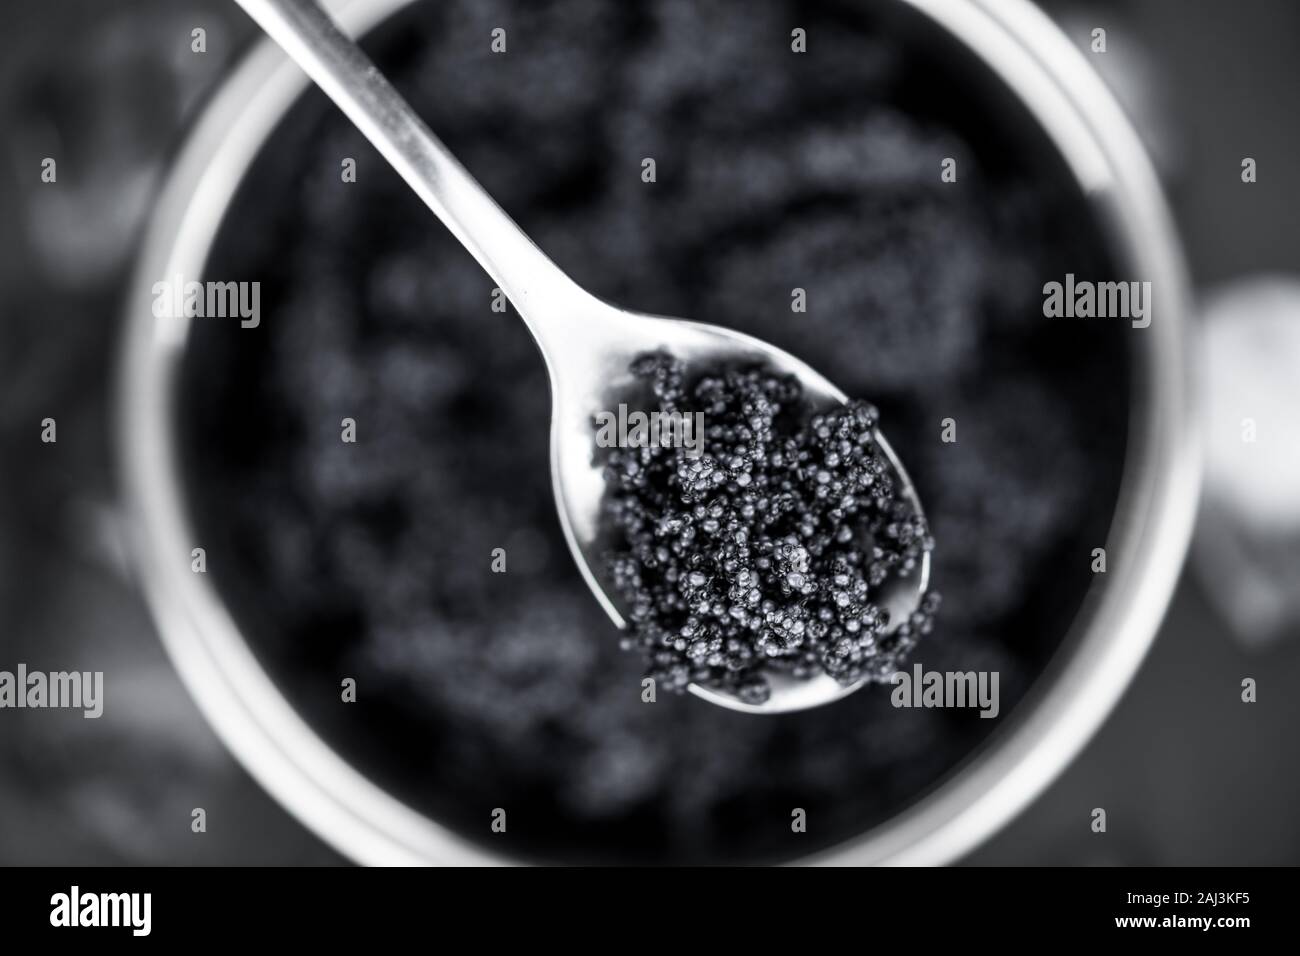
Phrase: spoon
(587, 344)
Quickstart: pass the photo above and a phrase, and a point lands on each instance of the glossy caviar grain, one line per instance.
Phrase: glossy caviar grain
(767, 550)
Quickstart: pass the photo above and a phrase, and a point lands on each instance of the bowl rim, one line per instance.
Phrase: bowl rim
(1146, 543)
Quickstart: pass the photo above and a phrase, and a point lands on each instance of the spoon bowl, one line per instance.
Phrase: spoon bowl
(588, 375)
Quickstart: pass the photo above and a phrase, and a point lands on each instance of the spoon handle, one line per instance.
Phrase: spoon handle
(532, 282)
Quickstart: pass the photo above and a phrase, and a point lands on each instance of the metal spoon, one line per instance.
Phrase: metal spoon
(587, 344)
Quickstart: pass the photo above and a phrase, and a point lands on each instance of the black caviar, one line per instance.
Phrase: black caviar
(768, 548)
(372, 560)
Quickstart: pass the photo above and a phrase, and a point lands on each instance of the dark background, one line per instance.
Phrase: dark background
(1186, 772)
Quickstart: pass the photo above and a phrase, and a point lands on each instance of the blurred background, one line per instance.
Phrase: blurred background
(1187, 772)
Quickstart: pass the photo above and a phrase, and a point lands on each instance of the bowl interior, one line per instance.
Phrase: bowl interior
(818, 171)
